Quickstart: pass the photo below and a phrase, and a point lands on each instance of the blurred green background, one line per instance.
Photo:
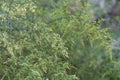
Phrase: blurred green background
(109, 10)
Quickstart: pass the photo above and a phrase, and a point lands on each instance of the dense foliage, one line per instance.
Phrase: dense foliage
(53, 40)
